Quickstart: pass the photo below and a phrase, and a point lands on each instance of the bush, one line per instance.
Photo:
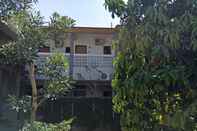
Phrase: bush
(41, 126)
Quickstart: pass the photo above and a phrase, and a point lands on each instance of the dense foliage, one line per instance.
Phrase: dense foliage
(9, 7)
(155, 70)
(22, 53)
(41, 126)
(57, 25)
(30, 39)
(56, 70)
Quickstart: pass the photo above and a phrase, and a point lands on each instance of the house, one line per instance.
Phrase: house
(90, 54)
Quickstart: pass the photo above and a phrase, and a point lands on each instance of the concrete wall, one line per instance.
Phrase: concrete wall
(85, 39)
(89, 40)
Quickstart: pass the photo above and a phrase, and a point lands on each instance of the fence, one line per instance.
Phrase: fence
(88, 112)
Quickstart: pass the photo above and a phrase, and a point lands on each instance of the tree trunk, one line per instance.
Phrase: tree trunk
(34, 92)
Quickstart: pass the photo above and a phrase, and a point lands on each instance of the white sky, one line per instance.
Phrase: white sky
(85, 12)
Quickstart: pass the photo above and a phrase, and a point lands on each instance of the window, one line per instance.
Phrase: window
(81, 49)
(67, 49)
(36, 68)
(107, 50)
(44, 49)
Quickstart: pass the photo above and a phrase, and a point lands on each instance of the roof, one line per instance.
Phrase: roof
(6, 32)
(101, 30)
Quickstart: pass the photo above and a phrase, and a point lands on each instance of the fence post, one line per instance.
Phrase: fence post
(73, 109)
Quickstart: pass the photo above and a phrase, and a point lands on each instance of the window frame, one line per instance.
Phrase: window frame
(45, 49)
(81, 46)
(66, 50)
(104, 51)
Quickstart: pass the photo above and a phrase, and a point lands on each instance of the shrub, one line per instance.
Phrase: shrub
(41, 126)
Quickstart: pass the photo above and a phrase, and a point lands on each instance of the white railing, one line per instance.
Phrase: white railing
(43, 56)
(86, 66)
(81, 60)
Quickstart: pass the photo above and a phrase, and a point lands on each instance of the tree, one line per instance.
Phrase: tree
(57, 81)
(155, 74)
(57, 26)
(30, 39)
(57, 84)
(24, 52)
(8, 7)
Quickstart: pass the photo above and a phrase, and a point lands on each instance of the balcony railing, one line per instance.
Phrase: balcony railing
(92, 60)
(86, 66)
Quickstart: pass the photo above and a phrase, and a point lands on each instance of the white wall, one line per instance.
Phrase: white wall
(89, 40)
(90, 72)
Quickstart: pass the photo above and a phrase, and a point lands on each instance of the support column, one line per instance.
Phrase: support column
(1, 82)
(71, 60)
(72, 108)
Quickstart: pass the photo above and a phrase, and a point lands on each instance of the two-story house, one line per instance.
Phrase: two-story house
(90, 55)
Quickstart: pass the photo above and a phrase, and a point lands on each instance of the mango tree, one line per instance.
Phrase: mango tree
(155, 68)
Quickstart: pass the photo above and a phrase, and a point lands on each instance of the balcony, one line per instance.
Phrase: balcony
(85, 66)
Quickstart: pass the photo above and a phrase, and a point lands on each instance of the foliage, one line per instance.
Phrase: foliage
(57, 27)
(41, 126)
(55, 69)
(155, 69)
(61, 22)
(20, 104)
(8, 7)
(58, 83)
(23, 52)
(30, 38)
(117, 7)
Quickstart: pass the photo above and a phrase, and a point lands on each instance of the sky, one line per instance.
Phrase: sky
(89, 13)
